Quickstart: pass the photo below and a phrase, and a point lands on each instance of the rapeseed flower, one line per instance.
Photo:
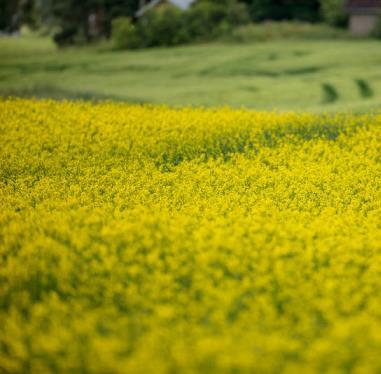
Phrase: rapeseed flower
(147, 239)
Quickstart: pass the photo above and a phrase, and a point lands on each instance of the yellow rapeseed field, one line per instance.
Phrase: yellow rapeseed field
(144, 239)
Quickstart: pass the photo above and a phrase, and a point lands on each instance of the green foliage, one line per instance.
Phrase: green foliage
(202, 19)
(332, 12)
(72, 20)
(283, 30)
(72, 17)
(206, 19)
(66, 37)
(237, 13)
(14, 13)
(167, 25)
(261, 10)
(377, 30)
(162, 27)
(7, 10)
(112, 9)
(124, 33)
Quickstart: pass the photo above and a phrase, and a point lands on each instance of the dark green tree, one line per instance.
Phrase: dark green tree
(74, 17)
(304, 10)
(333, 12)
(15, 12)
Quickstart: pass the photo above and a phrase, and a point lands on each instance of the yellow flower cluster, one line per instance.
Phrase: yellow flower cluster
(137, 239)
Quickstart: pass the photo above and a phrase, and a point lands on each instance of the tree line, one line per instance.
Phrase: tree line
(85, 20)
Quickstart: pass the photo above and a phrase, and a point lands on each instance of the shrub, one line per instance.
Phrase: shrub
(202, 19)
(124, 33)
(377, 30)
(332, 12)
(206, 19)
(162, 27)
(303, 10)
(283, 30)
(237, 13)
(66, 36)
(168, 26)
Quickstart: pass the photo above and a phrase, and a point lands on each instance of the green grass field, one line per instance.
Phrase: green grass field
(329, 76)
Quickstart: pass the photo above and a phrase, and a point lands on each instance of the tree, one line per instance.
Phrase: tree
(73, 17)
(13, 13)
(261, 10)
(333, 12)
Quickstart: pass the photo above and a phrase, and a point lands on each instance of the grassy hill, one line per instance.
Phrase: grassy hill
(337, 75)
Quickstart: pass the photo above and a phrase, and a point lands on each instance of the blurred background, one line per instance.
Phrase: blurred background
(302, 55)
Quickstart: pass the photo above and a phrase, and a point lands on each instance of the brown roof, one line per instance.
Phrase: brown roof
(363, 4)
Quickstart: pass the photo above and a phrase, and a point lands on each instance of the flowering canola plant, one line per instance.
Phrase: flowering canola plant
(137, 239)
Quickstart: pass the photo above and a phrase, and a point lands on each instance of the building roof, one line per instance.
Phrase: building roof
(363, 4)
(181, 4)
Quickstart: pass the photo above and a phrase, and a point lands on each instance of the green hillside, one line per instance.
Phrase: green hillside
(337, 75)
